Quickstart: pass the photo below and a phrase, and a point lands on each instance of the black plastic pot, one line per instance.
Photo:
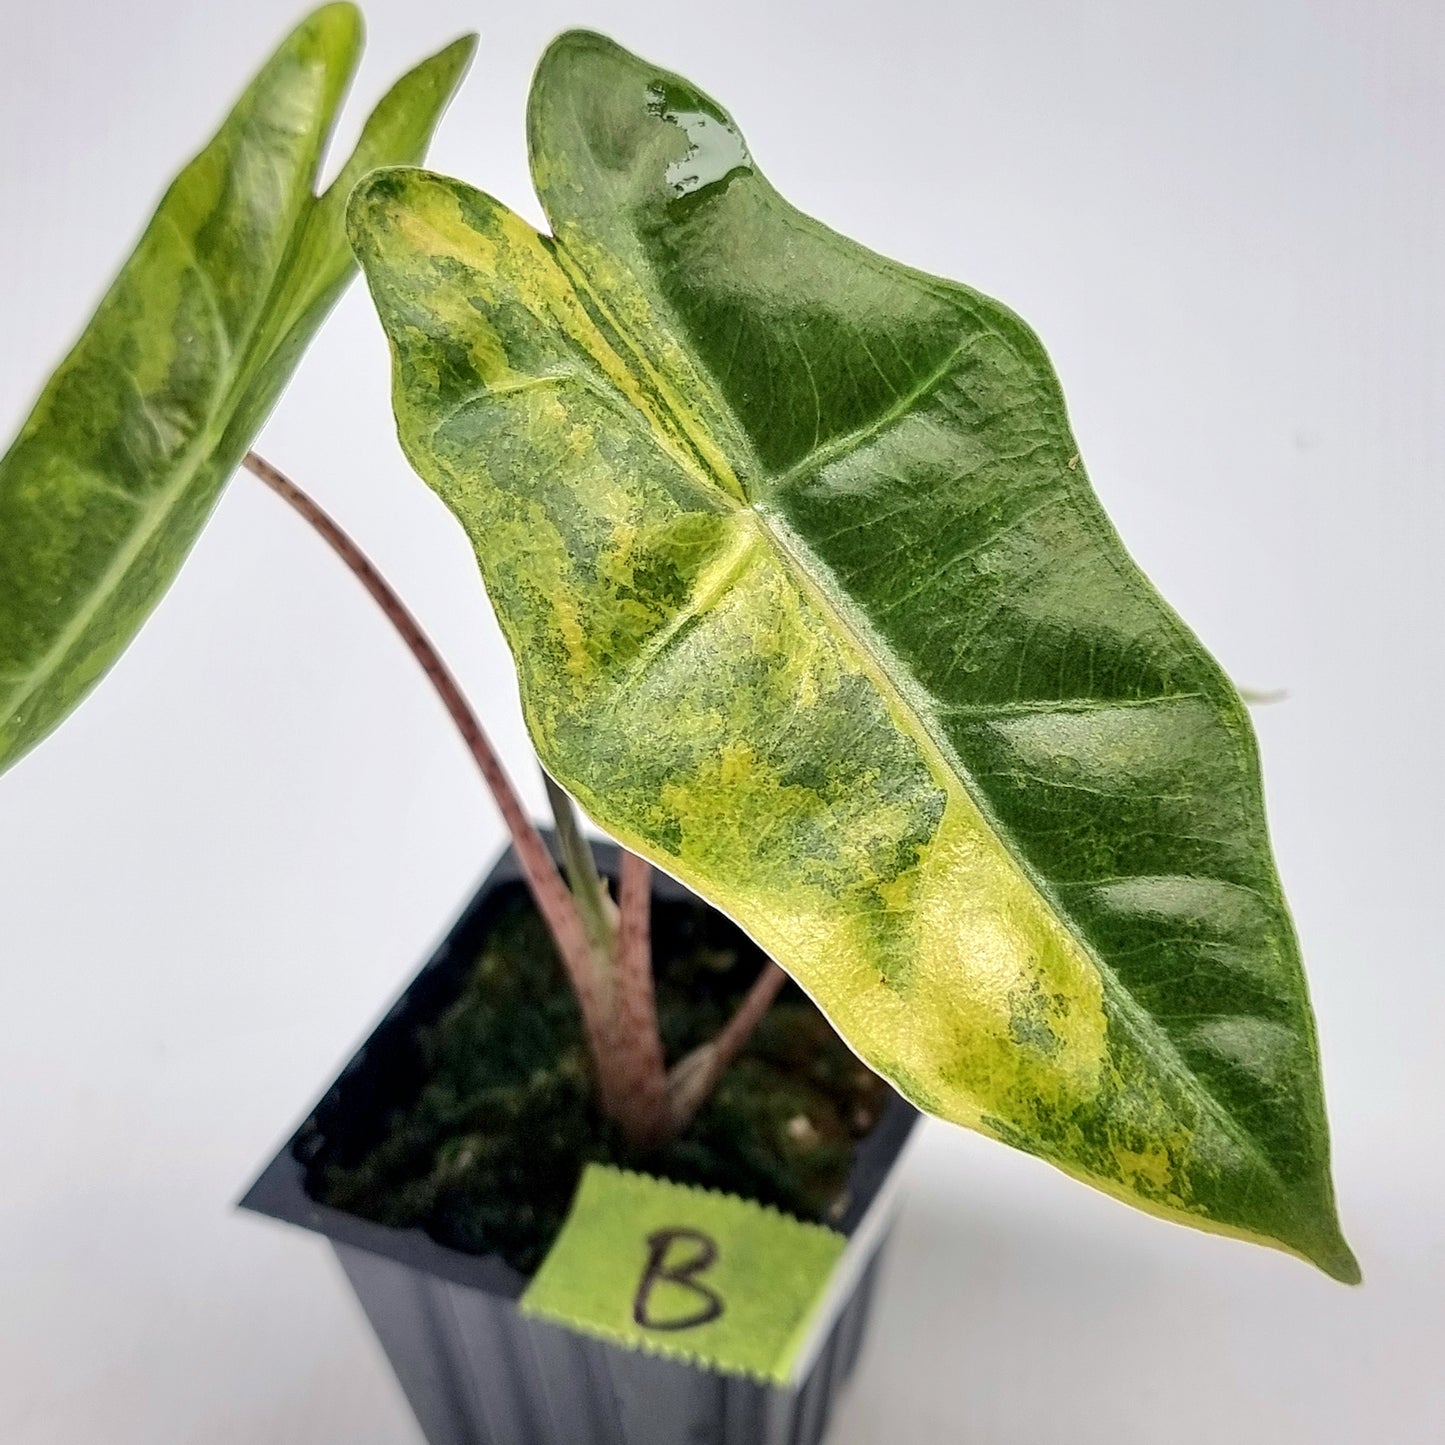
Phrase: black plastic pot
(478, 1372)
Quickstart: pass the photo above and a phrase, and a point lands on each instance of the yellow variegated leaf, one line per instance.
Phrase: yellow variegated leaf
(812, 604)
(134, 436)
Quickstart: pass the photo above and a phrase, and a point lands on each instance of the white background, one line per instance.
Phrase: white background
(1225, 221)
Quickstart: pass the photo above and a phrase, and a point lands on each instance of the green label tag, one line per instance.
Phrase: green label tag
(704, 1277)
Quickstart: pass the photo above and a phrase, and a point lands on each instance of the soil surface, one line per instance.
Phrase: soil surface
(481, 1138)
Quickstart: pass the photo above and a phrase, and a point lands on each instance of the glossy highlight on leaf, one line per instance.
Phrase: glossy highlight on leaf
(812, 604)
(126, 452)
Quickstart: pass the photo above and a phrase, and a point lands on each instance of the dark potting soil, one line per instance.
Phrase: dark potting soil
(484, 1144)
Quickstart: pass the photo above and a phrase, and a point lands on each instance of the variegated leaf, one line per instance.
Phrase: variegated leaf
(128, 448)
(812, 604)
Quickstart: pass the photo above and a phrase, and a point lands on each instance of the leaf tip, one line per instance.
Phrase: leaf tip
(338, 26)
(337, 15)
(461, 51)
(440, 76)
(449, 65)
(1318, 1240)
(1337, 1259)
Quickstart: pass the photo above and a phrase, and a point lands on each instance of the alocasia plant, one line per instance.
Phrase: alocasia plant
(810, 600)
(129, 446)
(812, 605)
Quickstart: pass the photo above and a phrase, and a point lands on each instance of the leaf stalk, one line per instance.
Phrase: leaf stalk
(605, 952)
(555, 904)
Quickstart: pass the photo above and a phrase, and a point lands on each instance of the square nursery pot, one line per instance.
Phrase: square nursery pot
(479, 1372)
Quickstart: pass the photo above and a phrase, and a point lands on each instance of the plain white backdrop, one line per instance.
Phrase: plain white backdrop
(1226, 223)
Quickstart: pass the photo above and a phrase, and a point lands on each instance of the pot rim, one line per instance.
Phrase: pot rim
(279, 1191)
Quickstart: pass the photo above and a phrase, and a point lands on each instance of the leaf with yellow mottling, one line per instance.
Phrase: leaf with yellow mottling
(128, 448)
(811, 603)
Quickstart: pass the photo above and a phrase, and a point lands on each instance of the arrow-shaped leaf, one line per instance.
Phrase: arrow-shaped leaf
(127, 450)
(812, 604)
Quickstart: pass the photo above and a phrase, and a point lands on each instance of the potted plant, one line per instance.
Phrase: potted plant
(814, 610)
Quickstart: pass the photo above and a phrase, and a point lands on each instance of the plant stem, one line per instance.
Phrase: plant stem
(598, 912)
(555, 904)
(693, 1078)
(619, 1013)
(639, 1042)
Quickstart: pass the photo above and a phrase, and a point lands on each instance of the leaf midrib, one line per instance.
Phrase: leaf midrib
(903, 696)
